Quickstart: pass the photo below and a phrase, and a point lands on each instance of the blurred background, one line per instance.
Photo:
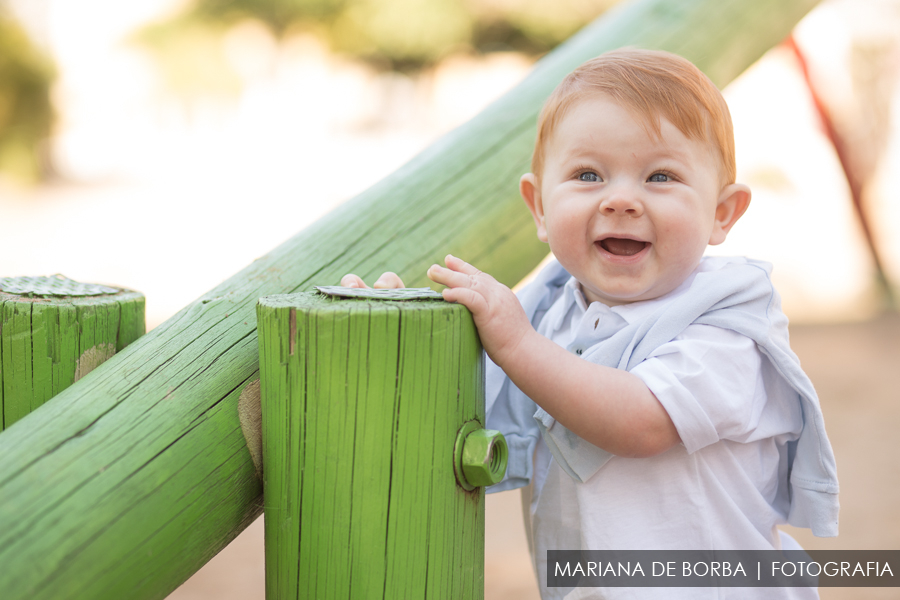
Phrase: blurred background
(148, 144)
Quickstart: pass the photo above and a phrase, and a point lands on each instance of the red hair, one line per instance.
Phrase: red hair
(651, 84)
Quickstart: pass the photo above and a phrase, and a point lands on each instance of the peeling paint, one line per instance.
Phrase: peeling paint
(93, 358)
(250, 415)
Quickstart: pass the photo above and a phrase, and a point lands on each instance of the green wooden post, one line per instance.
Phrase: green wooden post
(371, 417)
(53, 332)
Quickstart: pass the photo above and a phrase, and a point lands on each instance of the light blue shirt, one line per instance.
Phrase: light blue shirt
(738, 295)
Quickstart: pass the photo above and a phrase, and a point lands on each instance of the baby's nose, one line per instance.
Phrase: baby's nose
(622, 201)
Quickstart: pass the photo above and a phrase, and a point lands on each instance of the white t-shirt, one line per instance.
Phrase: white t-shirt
(724, 487)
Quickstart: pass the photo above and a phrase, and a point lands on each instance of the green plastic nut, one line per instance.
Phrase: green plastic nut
(484, 456)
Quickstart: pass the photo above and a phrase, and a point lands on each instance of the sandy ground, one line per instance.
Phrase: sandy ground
(855, 369)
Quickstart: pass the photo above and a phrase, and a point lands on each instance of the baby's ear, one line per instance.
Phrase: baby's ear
(531, 194)
(733, 202)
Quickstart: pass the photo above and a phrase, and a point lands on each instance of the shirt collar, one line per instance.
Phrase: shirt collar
(571, 295)
(632, 312)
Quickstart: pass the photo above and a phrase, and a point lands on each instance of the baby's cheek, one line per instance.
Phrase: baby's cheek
(568, 233)
(684, 258)
(688, 233)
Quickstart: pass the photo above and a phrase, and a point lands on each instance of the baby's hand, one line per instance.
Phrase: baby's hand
(499, 317)
(387, 281)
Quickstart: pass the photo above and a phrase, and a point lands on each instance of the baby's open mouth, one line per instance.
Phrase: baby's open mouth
(621, 246)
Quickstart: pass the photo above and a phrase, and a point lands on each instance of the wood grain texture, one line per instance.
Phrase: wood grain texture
(127, 482)
(359, 424)
(49, 343)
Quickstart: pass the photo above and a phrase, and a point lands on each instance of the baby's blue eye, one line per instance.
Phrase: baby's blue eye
(659, 178)
(588, 176)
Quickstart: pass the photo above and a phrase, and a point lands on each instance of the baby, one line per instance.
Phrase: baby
(648, 394)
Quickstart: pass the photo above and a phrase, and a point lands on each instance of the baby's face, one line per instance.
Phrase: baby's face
(628, 215)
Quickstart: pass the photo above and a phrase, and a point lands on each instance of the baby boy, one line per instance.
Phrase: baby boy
(648, 394)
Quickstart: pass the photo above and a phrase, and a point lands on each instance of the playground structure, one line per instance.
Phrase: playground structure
(127, 482)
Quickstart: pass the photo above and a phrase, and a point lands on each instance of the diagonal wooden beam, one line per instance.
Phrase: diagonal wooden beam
(128, 482)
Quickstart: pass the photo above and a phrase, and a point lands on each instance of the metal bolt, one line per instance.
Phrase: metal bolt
(484, 457)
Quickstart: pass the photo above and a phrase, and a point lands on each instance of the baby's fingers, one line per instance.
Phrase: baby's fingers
(457, 272)
(458, 264)
(468, 297)
(448, 277)
(388, 281)
(352, 281)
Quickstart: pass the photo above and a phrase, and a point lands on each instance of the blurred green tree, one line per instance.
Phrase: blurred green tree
(403, 35)
(26, 112)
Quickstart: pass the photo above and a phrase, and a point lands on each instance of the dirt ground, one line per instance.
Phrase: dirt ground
(856, 370)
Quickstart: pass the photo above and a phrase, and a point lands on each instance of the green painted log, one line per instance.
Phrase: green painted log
(53, 332)
(362, 404)
(126, 483)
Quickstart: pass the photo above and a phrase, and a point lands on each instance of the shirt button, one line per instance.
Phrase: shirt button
(578, 351)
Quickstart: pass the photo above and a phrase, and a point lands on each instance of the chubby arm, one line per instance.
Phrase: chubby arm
(608, 407)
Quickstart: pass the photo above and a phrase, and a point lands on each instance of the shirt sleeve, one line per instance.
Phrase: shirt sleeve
(710, 382)
(509, 411)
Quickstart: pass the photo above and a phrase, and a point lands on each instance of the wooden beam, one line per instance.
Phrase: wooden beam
(130, 480)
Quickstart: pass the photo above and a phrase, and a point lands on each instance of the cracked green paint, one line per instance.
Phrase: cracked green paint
(49, 341)
(362, 401)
